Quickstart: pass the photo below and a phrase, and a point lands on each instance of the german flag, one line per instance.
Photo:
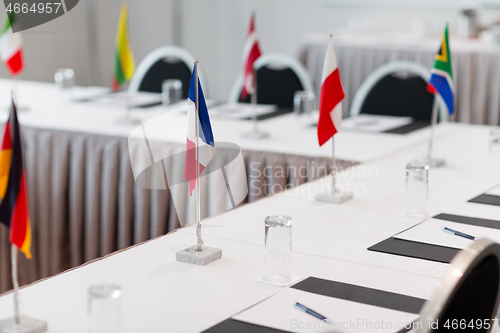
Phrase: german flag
(14, 207)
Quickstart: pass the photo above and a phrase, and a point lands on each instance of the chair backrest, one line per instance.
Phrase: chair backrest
(165, 62)
(398, 88)
(278, 78)
(469, 290)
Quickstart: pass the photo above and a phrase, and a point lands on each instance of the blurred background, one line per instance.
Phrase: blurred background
(214, 31)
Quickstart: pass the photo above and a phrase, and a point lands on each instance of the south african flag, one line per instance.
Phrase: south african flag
(441, 80)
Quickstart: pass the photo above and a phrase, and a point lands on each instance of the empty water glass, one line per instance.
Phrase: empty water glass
(105, 309)
(417, 190)
(64, 78)
(278, 249)
(171, 91)
(303, 102)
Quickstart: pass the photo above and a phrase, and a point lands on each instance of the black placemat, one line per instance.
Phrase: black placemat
(279, 112)
(333, 289)
(430, 252)
(405, 129)
(487, 199)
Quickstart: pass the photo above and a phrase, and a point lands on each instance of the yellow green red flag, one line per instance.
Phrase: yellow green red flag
(124, 58)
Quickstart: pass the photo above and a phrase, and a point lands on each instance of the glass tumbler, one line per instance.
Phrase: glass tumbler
(417, 190)
(171, 91)
(303, 102)
(493, 160)
(64, 78)
(104, 309)
(278, 249)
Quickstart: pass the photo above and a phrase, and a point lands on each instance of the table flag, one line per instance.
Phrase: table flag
(251, 53)
(124, 58)
(441, 80)
(205, 139)
(14, 207)
(11, 46)
(332, 93)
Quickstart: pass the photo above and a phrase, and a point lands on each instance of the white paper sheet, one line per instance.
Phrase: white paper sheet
(374, 123)
(278, 312)
(241, 110)
(430, 232)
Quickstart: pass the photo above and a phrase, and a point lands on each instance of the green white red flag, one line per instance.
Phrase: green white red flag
(11, 47)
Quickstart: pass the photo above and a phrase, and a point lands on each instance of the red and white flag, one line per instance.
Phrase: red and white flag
(332, 93)
(251, 52)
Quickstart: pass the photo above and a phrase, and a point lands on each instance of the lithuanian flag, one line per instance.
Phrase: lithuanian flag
(14, 207)
(124, 59)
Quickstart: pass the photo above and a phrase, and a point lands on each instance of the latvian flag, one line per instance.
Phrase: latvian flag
(251, 53)
(205, 141)
(332, 93)
(11, 47)
(14, 207)
(441, 80)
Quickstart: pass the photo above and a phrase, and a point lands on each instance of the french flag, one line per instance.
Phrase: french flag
(205, 141)
(332, 93)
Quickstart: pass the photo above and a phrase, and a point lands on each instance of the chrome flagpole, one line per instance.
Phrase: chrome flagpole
(334, 167)
(253, 101)
(199, 240)
(15, 282)
(433, 124)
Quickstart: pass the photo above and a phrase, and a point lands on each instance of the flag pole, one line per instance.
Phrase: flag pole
(15, 282)
(199, 240)
(253, 100)
(334, 168)
(433, 124)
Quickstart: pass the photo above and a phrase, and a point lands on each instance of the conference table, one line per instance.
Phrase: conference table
(329, 242)
(84, 200)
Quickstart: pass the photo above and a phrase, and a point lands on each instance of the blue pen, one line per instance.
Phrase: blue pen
(305, 309)
(458, 233)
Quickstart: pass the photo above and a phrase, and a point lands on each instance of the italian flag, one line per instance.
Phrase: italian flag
(11, 47)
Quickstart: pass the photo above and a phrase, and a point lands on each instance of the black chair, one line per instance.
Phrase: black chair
(166, 62)
(397, 89)
(278, 78)
(469, 291)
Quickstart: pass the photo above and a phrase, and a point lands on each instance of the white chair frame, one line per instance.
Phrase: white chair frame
(389, 68)
(279, 60)
(161, 53)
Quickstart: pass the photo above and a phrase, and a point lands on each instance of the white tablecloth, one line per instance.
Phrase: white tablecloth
(329, 241)
(476, 66)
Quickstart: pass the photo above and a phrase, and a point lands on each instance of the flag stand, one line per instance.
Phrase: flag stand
(432, 162)
(334, 194)
(18, 323)
(255, 133)
(198, 254)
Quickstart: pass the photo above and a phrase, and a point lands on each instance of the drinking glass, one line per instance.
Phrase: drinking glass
(493, 159)
(104, 309)
(278, 249)
(171, 91)
(64, 78)
(303, 102)
(417, 190)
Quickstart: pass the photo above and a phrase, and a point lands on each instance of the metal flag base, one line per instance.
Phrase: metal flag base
(335, 198)
(255, 135)
(26, 325)
(433, 162)
(201, 258)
